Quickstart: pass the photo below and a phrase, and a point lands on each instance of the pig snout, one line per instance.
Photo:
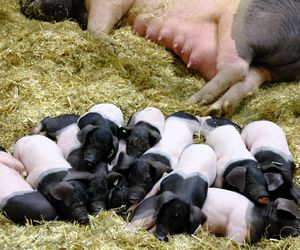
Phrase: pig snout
(136, 194)
(249, 181)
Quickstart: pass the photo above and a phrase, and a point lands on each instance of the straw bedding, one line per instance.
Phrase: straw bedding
(47, 69)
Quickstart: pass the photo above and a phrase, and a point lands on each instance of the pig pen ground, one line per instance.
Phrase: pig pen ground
(49, 69)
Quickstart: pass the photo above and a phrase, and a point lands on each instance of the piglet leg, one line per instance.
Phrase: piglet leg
(234, 95)
(105, 14)
(230, 67)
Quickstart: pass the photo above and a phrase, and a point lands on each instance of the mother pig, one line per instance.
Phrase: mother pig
(236, 44)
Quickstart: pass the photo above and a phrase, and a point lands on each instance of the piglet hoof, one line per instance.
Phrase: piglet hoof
(96, 207)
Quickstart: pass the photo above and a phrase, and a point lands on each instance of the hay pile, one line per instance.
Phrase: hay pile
(49, 69)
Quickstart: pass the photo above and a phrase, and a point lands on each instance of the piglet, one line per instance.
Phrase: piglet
(181, 194)
(18, 200)
(143, 131)
(99, 136)
(63, 129)
(268, 143)
(46, 168)
(144, 172)
(233, 215)
(237, 169)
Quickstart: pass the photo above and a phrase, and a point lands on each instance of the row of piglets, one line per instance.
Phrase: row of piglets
(257, 164)
(73, 172)
(158, 155)
(133, 177)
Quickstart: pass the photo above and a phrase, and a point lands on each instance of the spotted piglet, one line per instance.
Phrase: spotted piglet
(233, 215)
(178, 197)
(46, 168)
(268, 143)
(18, 200)
(142, 173)
(143, 131)
(237, 169)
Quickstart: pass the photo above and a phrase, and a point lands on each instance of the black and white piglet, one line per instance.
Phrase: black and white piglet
(99, 136)
(237, 169)
(63, 129)
(46, 168)
(143, 131)
(233, 215)
(18, 200)
(178, 197)
(142, 173)
(268, 143)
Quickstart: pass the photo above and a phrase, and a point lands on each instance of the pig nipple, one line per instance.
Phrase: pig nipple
(263, 200)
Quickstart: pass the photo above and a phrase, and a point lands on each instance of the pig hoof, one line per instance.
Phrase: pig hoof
(213, 110)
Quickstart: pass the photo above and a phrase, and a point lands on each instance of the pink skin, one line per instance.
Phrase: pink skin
(266, 135)
(199, 32)
(153, 116)
(39, 155)
(171, 145)
(11, 182)
(67, 139)
(227, 213)
(11, 162)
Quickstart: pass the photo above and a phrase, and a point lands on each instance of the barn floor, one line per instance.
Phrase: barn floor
(48, 69)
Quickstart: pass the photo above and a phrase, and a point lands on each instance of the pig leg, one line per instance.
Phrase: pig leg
(230, 67)
(231, 99)
(105, 14)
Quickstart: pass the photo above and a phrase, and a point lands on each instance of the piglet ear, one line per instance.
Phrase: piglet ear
(83, 133)
(157, 169)
(274, 180)
(237, 178)
(63, 191)
(155, 137)
(163, 199)
(287, 206)
(196, 220)
(115, 149)
(123, 163)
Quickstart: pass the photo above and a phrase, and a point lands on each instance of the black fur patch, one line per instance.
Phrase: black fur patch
(31, 206)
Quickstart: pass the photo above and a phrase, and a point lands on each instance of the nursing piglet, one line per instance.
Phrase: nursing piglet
(143, 131)
(63, 129)
(46, 168)
(142, 173)
(233, 215)
(237, 169)
(268, 143)
(179, 196)
(18, 200)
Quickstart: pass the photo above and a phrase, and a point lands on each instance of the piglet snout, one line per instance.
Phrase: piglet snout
(263, 200)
